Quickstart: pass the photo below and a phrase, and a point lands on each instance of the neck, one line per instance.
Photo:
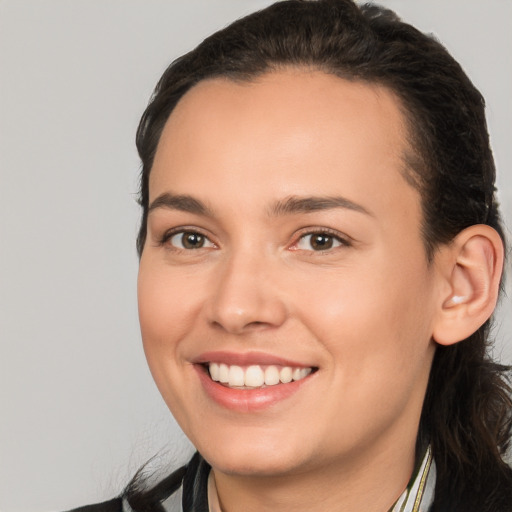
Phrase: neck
(372, 482)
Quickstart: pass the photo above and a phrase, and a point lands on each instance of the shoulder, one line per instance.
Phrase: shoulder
(184, 489)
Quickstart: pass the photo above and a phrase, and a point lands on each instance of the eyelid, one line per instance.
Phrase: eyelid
(345, 241)
(170, 233)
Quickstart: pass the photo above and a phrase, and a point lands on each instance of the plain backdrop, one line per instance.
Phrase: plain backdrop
(79, 412)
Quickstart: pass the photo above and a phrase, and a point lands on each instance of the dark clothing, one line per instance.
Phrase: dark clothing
(186, 490)
(191, 479)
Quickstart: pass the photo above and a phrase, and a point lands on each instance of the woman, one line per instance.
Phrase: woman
(320, 254)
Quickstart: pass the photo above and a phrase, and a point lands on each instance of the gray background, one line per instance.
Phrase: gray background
(78, 410)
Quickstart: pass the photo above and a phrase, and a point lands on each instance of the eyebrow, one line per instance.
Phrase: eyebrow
(288, 206)
(295, 204)
(184, 203)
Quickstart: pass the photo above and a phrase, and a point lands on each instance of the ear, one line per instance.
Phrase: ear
(471, 268)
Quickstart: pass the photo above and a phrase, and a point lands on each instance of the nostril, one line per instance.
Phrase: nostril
(240, 326)
(256, 324)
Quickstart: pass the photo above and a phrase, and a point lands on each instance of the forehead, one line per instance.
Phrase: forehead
(285, 133)
(292, 99)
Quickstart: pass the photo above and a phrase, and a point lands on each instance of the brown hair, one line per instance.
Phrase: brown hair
(467, 409)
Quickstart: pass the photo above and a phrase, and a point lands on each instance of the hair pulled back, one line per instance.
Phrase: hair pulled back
(467, 410)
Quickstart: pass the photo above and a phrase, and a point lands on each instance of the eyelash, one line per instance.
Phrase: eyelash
(334, 235)
(169, 235)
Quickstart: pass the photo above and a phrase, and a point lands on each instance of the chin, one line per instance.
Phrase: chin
(252, 456)
(249, 465)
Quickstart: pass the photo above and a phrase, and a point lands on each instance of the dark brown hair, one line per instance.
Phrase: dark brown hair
(467, 409)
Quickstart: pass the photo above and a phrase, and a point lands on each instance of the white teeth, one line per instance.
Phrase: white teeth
(236, 376)
(300, 373)
(296, 373)
(271, 376)
(286, 375)
(223, 373)
(255, 376)
(214, 371)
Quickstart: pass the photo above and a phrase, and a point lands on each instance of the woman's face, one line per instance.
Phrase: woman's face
(284, 242)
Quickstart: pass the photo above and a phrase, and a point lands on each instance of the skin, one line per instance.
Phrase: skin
(362, 313)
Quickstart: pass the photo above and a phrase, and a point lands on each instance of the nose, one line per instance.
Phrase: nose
(246, 296)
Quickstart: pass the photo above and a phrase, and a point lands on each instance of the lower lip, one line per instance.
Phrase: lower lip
(247, 400)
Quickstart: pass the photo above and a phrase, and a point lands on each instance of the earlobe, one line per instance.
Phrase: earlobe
(472, 269)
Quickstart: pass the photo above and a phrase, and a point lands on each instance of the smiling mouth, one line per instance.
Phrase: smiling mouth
(255, 376)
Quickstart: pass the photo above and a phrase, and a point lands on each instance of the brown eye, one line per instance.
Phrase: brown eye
(189, 240)
(319, 242)
(192, 240)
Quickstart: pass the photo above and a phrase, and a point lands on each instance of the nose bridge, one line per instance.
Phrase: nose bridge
(245, 294)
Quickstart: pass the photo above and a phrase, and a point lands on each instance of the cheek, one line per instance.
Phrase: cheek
(372, 320)
(377, 334)
(165, 299)
(165, 314)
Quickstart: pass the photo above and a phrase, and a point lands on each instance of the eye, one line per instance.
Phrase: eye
(189, 240)
(319, 242)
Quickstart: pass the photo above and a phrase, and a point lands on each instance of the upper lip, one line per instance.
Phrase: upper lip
(247, 359)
